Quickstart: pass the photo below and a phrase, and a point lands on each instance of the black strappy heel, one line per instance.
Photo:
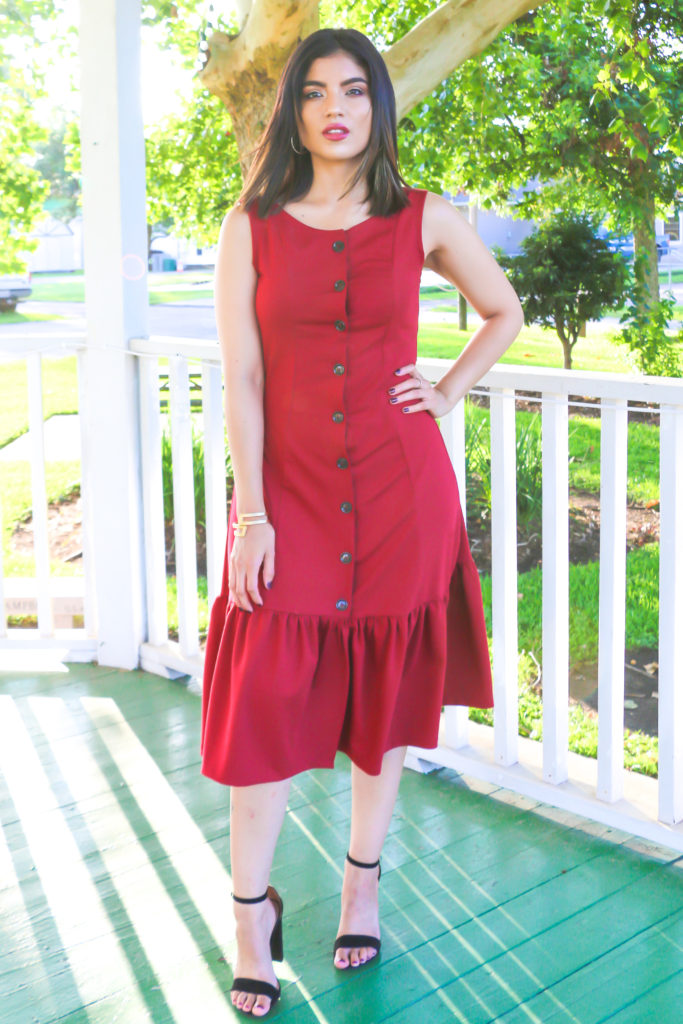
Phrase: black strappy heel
(357, 941)
(252, 985)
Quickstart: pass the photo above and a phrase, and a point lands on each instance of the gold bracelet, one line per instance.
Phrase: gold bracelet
(247, 519)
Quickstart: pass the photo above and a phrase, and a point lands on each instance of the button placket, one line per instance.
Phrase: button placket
(340, 325)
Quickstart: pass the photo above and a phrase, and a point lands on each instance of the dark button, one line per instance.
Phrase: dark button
(339, 286)
(343, 463)
(338, 245)
(338, 417)
(346, 506)
(342, 605)
(345, 557)
(340, 325)
(339, 369)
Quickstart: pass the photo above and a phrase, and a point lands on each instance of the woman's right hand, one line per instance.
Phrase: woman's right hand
(248, 553)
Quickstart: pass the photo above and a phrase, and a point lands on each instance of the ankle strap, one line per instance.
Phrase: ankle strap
(360, 863)
(250, 899)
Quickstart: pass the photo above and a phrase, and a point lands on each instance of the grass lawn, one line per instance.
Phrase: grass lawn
(535, 346)
(584, 451)
(642, 605)
(60, 393)
(26, 318)
(15, 487)
(642, 609)
(163, 288)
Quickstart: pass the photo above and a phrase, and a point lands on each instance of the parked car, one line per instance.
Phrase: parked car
(625, 244)
(13, 288)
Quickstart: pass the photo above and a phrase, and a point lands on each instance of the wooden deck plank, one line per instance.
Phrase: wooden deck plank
(114, 888)
(661, 1004)
(611, 982)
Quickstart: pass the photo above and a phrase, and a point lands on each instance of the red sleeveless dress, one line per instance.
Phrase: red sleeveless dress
(374, 619)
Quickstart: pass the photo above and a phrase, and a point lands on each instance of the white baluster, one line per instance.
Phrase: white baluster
(183, 505)
(214, 476)
(87, 526)
(613, 453)
(153, 495)
(671, 615)
(3, 614)
(38, 493)
(504, 574)
(453, 431)
(555, 587)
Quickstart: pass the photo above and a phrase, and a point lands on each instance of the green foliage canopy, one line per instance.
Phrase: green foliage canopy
(22, 190)
(193, 169)
(585, 98)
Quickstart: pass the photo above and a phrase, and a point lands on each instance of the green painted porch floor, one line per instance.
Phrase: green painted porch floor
(114, 893)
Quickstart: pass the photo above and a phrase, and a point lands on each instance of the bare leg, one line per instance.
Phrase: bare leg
(373, 798)
(256, 815)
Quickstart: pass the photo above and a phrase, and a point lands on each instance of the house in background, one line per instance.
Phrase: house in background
(60, 244)
(495, 228)
(60, 250)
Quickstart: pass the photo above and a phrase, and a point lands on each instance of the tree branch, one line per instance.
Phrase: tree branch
(433, 48)
(243, 11)
(275, 25)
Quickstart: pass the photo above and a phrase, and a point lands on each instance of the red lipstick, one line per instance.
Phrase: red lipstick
(335, 131)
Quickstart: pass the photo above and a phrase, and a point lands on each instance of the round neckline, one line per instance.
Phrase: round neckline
(327, 231)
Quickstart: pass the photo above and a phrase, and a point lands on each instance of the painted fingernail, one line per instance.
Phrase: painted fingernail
(406, 408)
(269, 584)
(392, 390)
(393, 399)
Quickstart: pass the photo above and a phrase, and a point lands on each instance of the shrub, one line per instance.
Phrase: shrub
(651, 349)
(478, 465)
(198, 473)
(564, 276)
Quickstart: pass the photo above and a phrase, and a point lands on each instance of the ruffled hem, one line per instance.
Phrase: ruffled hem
(284, 692)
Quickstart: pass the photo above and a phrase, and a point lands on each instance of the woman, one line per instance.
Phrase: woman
(351, 608)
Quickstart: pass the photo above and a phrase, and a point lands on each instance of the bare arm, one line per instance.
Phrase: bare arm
(454, 250)
(238, 334)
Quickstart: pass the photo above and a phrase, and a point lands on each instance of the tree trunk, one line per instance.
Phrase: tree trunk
(567, 350)
(243, 70)
(645, 258)
(462, 312)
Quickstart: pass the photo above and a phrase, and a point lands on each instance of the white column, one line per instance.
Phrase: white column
(115, 243)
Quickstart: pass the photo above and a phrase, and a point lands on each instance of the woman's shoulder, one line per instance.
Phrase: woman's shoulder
(236, 220)
(235, 238)
(423, 198)
(426, 204)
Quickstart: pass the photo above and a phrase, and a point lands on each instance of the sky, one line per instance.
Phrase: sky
(164, 81)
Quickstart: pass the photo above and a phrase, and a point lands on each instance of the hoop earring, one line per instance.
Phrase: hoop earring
(299, 152)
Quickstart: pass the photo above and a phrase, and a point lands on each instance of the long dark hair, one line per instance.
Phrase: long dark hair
(278, 174)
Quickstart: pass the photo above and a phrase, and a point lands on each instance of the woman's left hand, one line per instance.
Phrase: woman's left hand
(419, 392)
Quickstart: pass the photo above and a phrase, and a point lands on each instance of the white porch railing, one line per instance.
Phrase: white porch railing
(43, 594)
(600, 789)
